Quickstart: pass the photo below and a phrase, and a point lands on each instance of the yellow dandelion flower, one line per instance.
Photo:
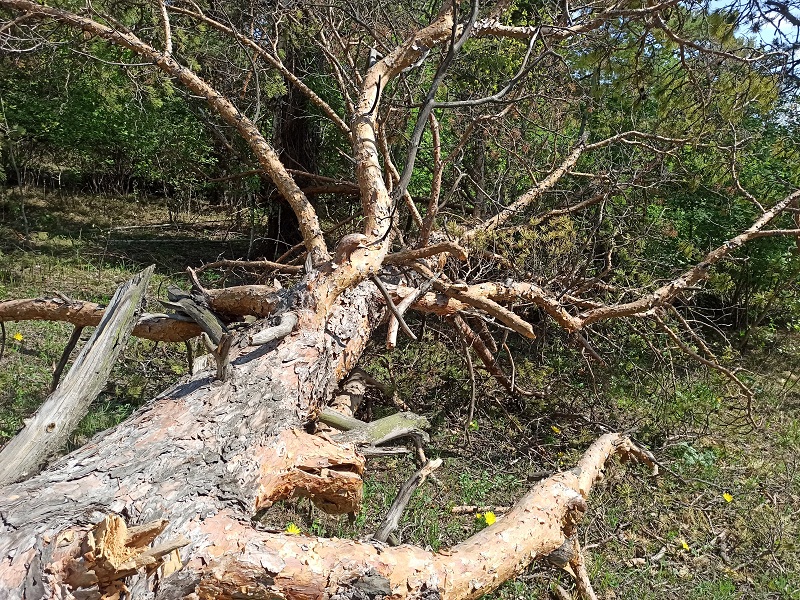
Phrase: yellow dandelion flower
(728, 497)
(489, 517)
(292, 529)
(18, 337)
(555, 429)
(684, 545)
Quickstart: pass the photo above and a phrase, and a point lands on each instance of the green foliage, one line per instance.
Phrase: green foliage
(661, 212)
(542, 249)
(90, 121)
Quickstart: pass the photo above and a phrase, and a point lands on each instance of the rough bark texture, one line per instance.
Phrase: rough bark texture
(193, 466)
(204, 452)
(256, 565)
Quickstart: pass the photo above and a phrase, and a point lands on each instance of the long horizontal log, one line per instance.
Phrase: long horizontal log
(89, 314)
(233, 302)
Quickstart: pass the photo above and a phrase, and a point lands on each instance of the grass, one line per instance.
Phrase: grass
(720, 521)
(73, 248)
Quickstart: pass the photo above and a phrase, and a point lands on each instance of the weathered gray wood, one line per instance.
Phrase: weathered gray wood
(48, 430)
(287, 324)
(392, 518)
(195, 306)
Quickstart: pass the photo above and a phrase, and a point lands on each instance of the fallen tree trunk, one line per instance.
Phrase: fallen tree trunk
(47, 431)
(204, 448)
(283, 566)
(194, 465)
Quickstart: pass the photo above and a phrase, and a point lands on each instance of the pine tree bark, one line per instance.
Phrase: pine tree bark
(201, 453)
(187, 473)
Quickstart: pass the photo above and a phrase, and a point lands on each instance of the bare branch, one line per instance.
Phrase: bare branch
(754, 55)
(492, 27)
(162, 9)
(272, 59)
(578, 564)
(71, 343)
(392, 519)
(667, 293)
(531, 195)
(436, 182)
(390, 304)
(473, 340)
(394, 177)
(491, 307)
(264, 265)
(748, 393)
(497, 97)
(405, 256)
(473, 396)
(430, 98)
(405, 303)
(266, 155)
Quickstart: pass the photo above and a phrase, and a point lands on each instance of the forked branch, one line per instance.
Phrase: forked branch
(539, 523)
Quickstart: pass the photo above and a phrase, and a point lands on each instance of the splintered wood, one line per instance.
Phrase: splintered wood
(304, 465)
(113, 551)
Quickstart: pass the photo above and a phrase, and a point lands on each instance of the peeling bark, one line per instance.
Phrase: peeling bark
(201, 451)
(206, 455)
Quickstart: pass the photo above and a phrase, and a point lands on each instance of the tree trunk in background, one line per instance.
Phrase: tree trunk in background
(298, 143)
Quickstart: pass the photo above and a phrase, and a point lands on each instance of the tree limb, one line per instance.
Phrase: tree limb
(47, 431)
(274, 60)
(531, 195)
(392, 519)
